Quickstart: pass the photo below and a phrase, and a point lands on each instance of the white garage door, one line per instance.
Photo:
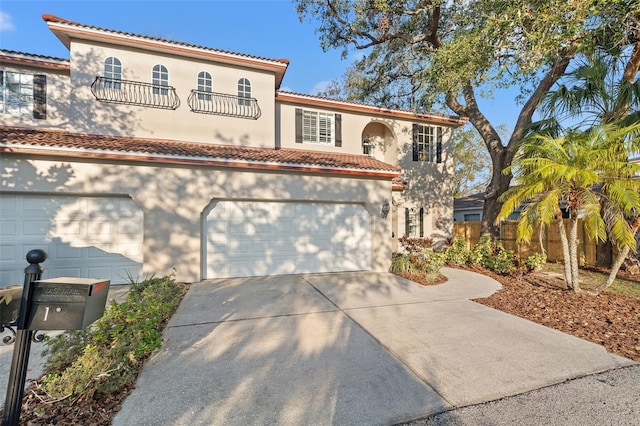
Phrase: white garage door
(90, 237)
(268, 238)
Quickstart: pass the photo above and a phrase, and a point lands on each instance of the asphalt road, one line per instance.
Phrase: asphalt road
(608, 398)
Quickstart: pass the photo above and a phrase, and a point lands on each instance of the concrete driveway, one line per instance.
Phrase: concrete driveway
(345, 348)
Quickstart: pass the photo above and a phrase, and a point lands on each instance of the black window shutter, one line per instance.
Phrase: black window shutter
(40, 96)
(406, 223)
(338, 129)
(298, 125)
(421, 219)
(415, 142)
(439, 146)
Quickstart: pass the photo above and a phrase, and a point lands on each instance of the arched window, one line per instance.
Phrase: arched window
(244, 92)
(160, 77)
(205, 84)
(112, 71)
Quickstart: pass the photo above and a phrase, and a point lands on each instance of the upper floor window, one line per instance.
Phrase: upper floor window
(367, 147)
(160, 77)
(112, 71)
(244, 92)
(205, 84)
(427, 143)
(318, 127)
(23, 95)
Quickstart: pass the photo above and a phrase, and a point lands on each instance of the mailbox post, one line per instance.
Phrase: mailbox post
(64, 303)
(22, 346)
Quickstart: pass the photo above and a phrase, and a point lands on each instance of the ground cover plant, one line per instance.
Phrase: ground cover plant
(89, 372)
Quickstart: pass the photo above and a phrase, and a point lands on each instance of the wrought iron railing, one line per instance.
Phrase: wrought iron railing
(223, 104)
(134, 93)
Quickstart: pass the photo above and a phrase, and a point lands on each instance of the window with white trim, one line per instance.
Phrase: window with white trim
(367, 147)
(113, 71)
(427, 143)
(160, 77)
(317, 127)
(244, 92)
(205, 84)
(414, 222)
(23, 95)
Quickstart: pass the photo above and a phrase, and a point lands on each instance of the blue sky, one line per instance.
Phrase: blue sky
(267, 28)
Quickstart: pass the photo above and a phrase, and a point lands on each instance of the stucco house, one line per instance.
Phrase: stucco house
(142, 155)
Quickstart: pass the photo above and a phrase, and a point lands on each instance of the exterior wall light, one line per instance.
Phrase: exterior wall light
(385, 209)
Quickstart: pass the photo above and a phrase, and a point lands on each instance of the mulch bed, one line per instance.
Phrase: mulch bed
(611, 320)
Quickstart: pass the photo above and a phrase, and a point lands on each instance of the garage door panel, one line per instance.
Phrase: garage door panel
(82, 236)
(285, 238)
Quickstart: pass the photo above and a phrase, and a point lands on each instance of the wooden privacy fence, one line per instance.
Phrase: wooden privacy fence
(470, 232)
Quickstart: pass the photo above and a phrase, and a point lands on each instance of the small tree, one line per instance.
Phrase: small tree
(589, 174)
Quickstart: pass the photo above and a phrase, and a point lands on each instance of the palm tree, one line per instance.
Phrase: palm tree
(601, 89)
(584, 171)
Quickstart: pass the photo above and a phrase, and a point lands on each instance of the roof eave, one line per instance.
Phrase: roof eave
(194, 161)
(452, 121)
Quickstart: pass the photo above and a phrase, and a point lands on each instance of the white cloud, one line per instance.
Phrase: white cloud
(285, 89)
(5, 22)
(320, 86)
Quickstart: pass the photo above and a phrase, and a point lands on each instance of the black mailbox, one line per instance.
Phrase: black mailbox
(67, 303)
(10, 300)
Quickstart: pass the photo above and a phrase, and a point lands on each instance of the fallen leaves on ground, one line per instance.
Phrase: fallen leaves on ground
(610, 320)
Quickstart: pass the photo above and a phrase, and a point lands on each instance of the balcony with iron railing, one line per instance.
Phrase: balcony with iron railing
(223, 104)
(134, 93)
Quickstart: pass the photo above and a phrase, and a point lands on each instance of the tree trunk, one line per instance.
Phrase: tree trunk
(604, 254)
(498, 185)
(503, 154)
(565, 253)
(573, 253)
(614, 272)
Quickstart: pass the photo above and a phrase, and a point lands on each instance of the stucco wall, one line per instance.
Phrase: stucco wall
(354, 128)
(173, 200)
(57, 99)
(92, 116)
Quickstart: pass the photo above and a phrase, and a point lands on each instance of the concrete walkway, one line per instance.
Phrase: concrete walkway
(346, 348)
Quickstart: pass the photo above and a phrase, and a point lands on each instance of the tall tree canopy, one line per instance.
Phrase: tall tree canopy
(420, 53)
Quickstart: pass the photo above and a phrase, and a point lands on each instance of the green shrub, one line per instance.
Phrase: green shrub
(457, 253)
(482, 251)
(427, 264)
(502, 262)
(535, 261)
(106, 356)
(402, 263)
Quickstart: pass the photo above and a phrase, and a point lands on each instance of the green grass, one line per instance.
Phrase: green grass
(590, 279)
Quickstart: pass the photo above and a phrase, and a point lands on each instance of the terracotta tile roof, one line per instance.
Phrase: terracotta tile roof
(430, 116)
(15, 53)
(52, 18)
(58, 142)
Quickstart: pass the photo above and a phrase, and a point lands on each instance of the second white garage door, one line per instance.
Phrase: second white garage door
(245, 238)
